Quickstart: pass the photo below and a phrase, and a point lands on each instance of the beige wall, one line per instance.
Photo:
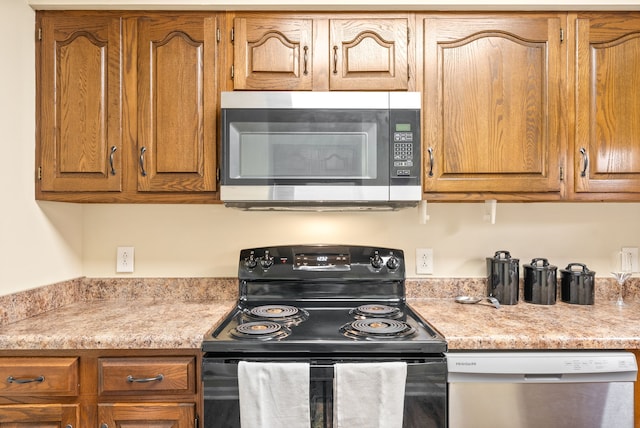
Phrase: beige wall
(39, 243)
(183, 240)
(46, 242)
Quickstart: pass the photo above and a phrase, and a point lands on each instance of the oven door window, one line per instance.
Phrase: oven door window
(266, 146)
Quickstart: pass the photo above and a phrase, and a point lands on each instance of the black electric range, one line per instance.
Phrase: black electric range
(318, 299)
(324, 305)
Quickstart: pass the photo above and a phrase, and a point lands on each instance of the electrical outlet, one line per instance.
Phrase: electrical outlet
(124, 262)
(424, 261)
(630, 259)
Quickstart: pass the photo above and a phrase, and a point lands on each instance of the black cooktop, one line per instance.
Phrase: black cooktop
(323, 299)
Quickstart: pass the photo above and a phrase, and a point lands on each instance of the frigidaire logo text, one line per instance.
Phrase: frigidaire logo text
(465, 363)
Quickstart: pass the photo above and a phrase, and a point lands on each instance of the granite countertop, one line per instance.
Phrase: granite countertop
(174, 314)
(527, 326)
(117, 324)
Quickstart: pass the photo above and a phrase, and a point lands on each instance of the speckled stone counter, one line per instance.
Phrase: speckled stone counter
(177, 313)
(117, 324)
(524, 325)
(116, 314)
(528, 326)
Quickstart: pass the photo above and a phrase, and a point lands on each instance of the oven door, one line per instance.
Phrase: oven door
(424, 404)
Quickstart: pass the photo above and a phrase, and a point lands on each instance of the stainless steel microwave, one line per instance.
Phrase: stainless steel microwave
(320, 149)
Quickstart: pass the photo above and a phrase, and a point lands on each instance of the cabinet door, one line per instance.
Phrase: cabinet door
(273, 54)
(176, 103)
(492, 90)
(607, 134)
(368, 54)
(79, 95)
(151, 415)
(39, 416)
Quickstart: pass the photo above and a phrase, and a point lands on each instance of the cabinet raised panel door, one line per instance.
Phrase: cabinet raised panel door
(492, 94)
(607, 134)
(273, 53)
(368, 54)
(80, 111)
(176, 103)
(148, 415)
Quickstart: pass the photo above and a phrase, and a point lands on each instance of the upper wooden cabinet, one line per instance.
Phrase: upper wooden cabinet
(273, 53)
(176, 103)
(606, 149)
(492, 106)
(287, 52)
(80, 111)
(127, 107)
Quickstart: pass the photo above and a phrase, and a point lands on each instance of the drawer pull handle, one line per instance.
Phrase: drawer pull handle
(132, 379)
(38, 379)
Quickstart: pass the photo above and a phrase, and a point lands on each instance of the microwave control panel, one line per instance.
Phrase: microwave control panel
(405, 144)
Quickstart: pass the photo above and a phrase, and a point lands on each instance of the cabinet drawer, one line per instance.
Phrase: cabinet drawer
(39, 376)
(171, 375)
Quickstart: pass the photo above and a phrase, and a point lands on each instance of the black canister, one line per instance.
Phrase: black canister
(577, 284)
(503, 276)
(540, 282)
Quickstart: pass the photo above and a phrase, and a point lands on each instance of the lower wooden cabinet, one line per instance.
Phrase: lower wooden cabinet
(100, 388)
(157, 415)
(40, 416)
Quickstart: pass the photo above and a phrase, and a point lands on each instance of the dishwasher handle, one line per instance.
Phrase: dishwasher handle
(541, 377)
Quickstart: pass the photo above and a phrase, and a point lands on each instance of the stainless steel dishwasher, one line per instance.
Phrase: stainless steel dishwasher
(585, 389)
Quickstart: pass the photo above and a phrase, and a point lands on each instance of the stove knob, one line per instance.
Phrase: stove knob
(250, 262)
(393, 262)
(376, 260)
(267, 261)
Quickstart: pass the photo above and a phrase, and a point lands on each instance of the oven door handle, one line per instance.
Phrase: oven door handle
(326, 365)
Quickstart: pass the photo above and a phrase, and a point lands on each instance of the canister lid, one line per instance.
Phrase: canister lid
(540, 264)
(502, 257)
(577, 269)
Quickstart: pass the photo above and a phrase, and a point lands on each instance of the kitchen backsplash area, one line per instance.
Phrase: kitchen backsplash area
(21, 305)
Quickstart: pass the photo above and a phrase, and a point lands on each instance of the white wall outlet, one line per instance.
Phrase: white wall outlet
(630, 259)
(124, 261)
(424, 261)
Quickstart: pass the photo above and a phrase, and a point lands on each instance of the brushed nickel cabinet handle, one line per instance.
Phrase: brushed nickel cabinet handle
(430, 150)
(335, 60)
(38, 379)
(113, 150)
(132, 379)
(142, 152)
(103, 425)
(585, 162)
(306, 60)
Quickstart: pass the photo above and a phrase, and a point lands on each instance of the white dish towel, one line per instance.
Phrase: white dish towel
(274, 395)
(369, 395)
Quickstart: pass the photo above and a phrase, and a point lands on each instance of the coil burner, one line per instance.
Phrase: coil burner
(374, 328)
(284, 314)
(376, 311)
(260, 330)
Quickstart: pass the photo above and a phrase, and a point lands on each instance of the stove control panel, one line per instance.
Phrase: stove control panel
(321, 261)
